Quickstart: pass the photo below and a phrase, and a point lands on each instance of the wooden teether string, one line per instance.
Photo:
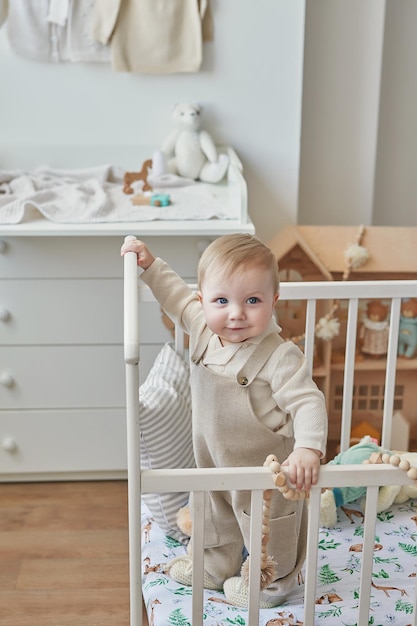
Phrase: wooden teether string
(280, 480)
(396, 461)
(266, 516)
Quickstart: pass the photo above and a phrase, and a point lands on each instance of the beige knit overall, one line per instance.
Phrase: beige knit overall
(227, 433)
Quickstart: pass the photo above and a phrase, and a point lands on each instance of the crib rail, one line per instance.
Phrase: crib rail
(258, 479)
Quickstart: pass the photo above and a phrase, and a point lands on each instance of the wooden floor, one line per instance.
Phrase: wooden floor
(64, 554)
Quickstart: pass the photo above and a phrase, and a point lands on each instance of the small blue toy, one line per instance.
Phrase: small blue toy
(160, 199)
(407, 338)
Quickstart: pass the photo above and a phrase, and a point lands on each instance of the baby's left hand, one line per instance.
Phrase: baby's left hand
(303, 467)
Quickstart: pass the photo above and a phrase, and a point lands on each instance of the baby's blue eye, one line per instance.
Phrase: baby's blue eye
(222, 300)
(253, 300)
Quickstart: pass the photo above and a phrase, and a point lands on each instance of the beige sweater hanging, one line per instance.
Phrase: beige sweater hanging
(151, 36)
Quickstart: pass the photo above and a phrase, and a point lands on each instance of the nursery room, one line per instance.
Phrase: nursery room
(291, 121)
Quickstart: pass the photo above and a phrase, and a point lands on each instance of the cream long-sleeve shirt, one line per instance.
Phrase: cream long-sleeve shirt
(52, 30)
(283, 395)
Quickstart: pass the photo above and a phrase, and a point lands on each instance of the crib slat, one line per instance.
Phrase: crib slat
(134, 497)
(312, 556)
(390, 373)
(348, 377)
(198, 516)
(367, 555)
(310, 328)
(255, 557)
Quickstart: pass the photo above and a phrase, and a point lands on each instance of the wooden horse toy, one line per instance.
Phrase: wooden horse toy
(131, 177)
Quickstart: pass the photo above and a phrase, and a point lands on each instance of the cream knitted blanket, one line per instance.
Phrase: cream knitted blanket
(96, 195)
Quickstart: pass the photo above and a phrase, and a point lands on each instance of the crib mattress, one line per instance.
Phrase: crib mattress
(338, 586)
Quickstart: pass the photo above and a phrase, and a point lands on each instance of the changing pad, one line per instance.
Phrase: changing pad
(95, 195)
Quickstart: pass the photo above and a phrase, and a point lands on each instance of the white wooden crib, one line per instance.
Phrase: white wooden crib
(258, 479)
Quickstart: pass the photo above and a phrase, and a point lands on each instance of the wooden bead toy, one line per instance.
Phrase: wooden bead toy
(404, 465)
(268, 566)
(412, 473)
(396, 461)
(280, 480)
(268, 569)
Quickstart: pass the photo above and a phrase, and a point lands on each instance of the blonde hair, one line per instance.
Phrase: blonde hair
(232, 253)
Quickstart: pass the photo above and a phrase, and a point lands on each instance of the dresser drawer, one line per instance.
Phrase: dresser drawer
(61, 311)
(67, 376)
(89, 257)
(62, 376)
(62, 441)
(67, 311)
(66, 257)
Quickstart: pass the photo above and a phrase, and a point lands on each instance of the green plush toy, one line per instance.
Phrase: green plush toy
(332, 499)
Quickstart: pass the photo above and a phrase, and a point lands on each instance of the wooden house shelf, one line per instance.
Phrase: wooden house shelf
(317, 253)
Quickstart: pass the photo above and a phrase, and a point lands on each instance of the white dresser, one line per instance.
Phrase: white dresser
(62, 383)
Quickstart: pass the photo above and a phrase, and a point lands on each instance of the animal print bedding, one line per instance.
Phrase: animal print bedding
(338, 584)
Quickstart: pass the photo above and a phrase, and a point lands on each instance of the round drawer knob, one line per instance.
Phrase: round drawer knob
(6, 379)
(9, 444)
(4, 314)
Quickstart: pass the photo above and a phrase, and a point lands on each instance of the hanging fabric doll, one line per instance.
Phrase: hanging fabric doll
(374, 331)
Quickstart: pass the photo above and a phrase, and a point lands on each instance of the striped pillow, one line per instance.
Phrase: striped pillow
(166, 435)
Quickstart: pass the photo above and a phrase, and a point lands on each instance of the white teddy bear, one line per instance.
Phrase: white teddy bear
(189, 151)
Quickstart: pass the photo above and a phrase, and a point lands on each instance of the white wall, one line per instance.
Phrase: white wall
(343, 50)
(359, 121)
(395, 200)
(250, 84)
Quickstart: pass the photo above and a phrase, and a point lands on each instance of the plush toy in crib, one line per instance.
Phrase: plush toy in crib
(189, 151)
(332, 499)
(184, 521)
(407, 339)
(362, 452)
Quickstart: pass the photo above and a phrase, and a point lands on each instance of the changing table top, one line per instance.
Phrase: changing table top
(232, 192)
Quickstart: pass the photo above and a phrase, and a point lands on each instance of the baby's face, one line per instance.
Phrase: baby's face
(240, 306)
